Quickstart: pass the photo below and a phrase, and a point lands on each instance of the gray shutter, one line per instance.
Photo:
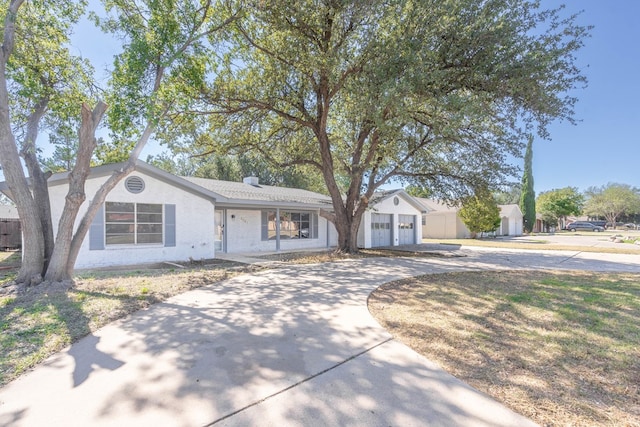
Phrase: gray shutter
(96, 231)
(315, 226)
(170, 225)
(265, 225)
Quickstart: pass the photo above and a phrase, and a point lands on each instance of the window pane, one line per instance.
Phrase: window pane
(119, 217)
(149, 228)
(119, 207)
(120, 239)
(150, 218)
(149, 208)
(119, 228)
(150, 238)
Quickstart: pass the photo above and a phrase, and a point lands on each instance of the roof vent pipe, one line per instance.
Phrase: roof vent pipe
(251, 180)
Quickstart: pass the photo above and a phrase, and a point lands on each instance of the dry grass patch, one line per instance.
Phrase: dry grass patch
(561, 348)
(44, 321)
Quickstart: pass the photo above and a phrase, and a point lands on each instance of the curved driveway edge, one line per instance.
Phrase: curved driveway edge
(289, 346)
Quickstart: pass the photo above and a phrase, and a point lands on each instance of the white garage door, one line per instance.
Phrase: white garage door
(406, 227)
(380, 230)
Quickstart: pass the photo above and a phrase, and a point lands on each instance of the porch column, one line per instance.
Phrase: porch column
(278, 229)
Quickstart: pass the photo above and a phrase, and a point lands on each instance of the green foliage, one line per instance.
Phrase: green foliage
(166, 46)
(416, 191)
(480, 213)
(611, 201)
(528, 195)
(559, 203)
(435, 94)
(236, 167)
(42, 71)
(65, 140)
(508, 196)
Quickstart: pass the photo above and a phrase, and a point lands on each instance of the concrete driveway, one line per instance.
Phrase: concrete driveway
(289, 346)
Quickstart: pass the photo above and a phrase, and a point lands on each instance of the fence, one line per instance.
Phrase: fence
(10, 234)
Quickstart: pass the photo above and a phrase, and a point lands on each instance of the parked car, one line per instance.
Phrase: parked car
(630, 226)
(584, 225)
(602, 224)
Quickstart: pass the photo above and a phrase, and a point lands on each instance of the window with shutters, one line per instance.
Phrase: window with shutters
(133, 223)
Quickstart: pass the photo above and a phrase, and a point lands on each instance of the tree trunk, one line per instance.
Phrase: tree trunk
(33, 247)
(38, 178)
(60, 268)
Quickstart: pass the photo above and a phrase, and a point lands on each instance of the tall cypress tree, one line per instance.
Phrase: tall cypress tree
(528, 195)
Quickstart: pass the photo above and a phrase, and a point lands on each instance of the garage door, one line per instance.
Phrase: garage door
(406, 227)
(380, 230)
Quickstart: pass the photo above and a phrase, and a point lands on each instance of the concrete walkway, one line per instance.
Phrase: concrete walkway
(292, 346)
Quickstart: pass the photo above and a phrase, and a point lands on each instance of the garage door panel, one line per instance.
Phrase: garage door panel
(380, 230)
(406, 229)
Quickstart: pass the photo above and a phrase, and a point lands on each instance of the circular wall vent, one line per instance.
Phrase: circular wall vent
(134, 184)
(396, 201)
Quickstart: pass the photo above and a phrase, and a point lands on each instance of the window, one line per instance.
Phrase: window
(133, 223)
(293, 225)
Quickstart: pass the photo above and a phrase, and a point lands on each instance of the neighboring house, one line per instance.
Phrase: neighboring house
(8, 212)
(10, 230)
(441, 221)
(393, 219)
(511, 220)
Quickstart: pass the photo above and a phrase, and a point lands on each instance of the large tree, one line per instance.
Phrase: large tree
(438, 94)
(611, 201)
(39, 83)
(557, 204)
(528, 195)
(162, 41)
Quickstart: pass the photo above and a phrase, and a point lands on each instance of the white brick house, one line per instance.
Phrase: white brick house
(154, 216)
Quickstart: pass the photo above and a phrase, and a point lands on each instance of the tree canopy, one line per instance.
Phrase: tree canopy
(611, 201)
(438, 94)
(558, 204)
(480, 213)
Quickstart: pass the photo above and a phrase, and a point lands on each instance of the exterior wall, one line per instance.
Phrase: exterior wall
(515, 226)
(387, 206)
(194, 224)
(511, 225)
(8, 212)
(243, 229)
(444, 225)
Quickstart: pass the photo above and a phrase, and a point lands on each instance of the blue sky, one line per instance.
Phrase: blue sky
(603, 147)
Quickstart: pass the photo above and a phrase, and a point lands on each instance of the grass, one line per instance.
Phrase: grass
(35, 325)
(562, 348)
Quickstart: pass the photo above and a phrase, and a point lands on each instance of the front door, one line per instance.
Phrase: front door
(218, 243)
